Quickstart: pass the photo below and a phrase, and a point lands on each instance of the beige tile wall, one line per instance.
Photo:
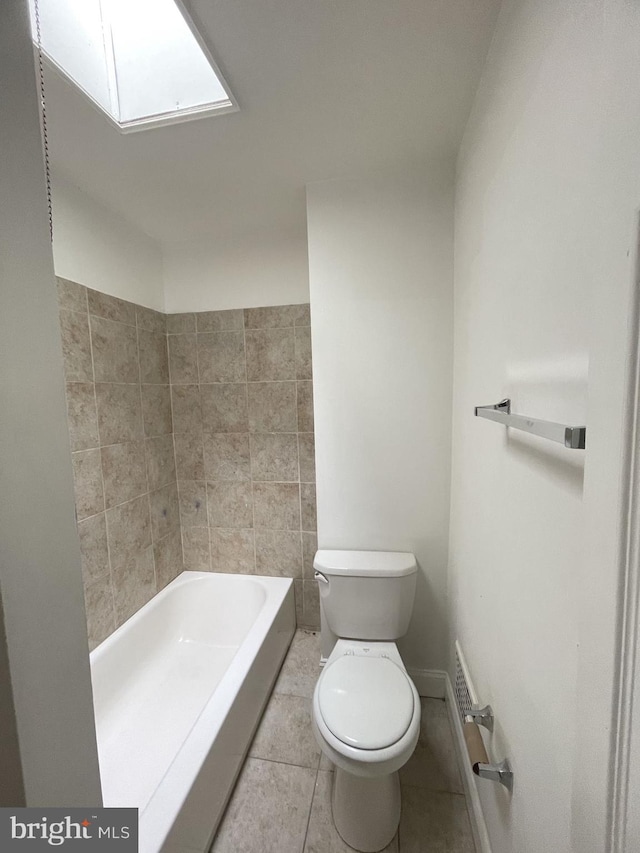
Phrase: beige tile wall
(120, 423)
(242, 402)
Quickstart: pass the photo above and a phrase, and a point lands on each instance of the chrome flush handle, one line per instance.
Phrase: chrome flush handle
(320, 577)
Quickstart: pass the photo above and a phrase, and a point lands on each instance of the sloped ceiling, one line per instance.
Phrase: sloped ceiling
(326, 88)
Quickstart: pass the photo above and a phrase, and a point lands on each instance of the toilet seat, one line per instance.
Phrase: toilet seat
(356, 682)
(377, 761)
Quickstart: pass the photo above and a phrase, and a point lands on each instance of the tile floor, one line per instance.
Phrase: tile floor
(282, 800)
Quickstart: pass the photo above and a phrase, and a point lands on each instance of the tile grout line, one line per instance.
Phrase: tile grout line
(201, 434)
(146, 462)
(301, 584)
(246, 397)
(114, 622)
(173, 442)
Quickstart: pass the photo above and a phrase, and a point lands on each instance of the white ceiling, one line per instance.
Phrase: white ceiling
(326, 88)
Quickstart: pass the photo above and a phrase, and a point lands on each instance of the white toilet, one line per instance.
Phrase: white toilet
(366, 709)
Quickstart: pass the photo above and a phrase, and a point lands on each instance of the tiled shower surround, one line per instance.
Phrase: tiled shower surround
(119, 408)
(204, 445)
(242, 402)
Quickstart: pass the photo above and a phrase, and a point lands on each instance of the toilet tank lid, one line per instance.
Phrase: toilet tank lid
(370, 564)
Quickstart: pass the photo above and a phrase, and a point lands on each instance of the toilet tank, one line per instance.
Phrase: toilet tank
(366, 595)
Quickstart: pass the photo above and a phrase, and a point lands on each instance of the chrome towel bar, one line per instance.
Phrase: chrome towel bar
(573, 437)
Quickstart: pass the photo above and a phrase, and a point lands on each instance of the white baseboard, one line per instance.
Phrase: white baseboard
(430, 683)
(476, 815)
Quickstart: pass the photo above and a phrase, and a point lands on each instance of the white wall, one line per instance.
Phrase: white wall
(237, 270)
(547, 194)
(40, 574)
(380, 261)
(98, 248)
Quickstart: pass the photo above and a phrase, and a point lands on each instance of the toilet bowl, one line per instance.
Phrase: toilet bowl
(366, 709)
(366, 719)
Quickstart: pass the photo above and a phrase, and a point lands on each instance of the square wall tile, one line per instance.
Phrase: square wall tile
(110, 307)
(71, 296)
(305, 406)
(156, 410)
(278, 553)
(165, 511)
(123, 472)
(232, 551)
(195, 548)
(87, 481)
(307, 455)
(76, 346)
(161, 469)
(270, 354)
(98, 601)
(276, 316)
(229, 504)
(224, 408)
(309, 548)
(189, 457)
(119, 413)
(183, 359)
(115, 351)
(308, 505)
(187, 413)
(274, 456)
(220, 321)
(272, 406)
(193, 503)
(167, 557)
(226, 456)
(128, 530)
(82, 415)
(277, 505)
(152, 321)
(180, 323)
(303, 352)
(154, 361)
(311, 603)
(303, 314)
(134, 583)
(94, 550)
(221, 357)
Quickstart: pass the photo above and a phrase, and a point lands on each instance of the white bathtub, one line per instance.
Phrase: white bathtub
(178, 691)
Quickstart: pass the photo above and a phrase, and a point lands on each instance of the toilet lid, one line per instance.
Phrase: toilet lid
(366, 702)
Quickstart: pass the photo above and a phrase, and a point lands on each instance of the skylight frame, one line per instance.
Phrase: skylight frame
(229, 105)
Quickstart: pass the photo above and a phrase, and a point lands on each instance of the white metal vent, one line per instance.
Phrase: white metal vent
(465, 694)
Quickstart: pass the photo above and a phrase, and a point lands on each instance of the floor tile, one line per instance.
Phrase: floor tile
(269, 810)
(434, 821)
(322, 836)
(285, 732)
(434, 763)
(301, 668)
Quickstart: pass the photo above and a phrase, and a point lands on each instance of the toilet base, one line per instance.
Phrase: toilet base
(366, 811)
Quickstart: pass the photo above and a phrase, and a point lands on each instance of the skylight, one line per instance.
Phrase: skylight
(141, 62)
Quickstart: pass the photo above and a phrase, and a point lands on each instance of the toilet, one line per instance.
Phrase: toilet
(366, 709)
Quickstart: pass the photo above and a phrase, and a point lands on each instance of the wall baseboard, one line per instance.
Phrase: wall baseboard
(430, 683)
(436, 684)
(476, 815)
